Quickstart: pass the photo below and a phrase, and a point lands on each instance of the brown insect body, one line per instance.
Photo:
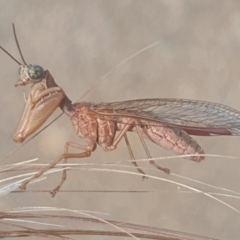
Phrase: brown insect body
(166, 122)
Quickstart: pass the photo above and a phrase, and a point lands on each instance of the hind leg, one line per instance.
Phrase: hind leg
(166, 170)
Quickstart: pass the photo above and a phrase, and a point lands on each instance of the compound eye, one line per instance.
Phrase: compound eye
(35, 72)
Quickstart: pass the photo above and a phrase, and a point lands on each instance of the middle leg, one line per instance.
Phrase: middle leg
(133, 158)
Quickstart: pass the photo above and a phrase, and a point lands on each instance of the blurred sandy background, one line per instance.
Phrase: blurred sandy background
(197, 57)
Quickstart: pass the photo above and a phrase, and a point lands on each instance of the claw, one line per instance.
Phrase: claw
(166, 170)
(144, 178)
(54, 191)
(23, 186)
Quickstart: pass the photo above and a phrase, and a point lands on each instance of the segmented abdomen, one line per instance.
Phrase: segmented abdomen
(173, 139)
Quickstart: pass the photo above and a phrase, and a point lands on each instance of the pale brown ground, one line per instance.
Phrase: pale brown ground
(80, 41)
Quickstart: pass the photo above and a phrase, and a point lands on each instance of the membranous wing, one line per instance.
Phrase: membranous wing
(195, 117)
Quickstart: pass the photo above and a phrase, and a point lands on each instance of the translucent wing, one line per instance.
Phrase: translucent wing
(195, 117)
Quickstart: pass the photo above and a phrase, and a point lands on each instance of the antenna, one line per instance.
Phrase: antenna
(19, 49)
(10, 56)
